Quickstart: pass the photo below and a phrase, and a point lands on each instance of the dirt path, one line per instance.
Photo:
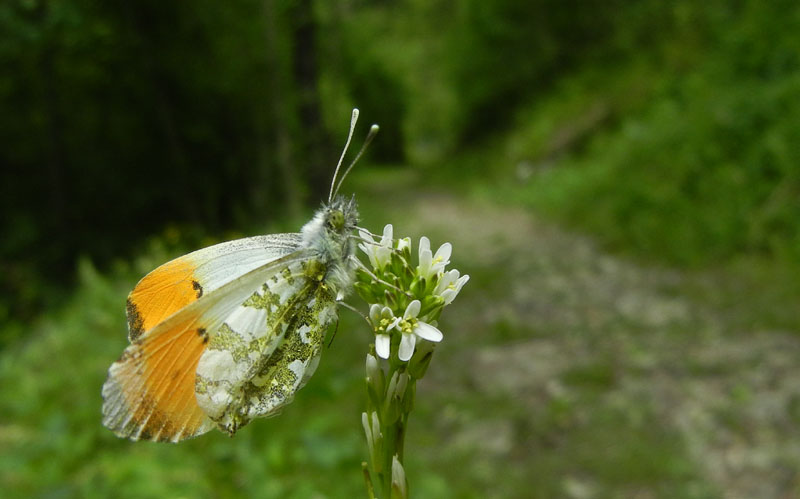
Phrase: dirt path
(602, 372)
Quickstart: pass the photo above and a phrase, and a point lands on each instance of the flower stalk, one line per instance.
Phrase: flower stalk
(405, 303)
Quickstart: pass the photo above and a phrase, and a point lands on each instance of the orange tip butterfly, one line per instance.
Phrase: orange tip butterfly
(230, 332)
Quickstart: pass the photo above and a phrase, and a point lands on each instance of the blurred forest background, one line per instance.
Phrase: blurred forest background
(621, 179)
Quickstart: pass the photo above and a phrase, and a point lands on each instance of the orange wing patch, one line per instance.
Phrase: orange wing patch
(160, 294)
(149, 393)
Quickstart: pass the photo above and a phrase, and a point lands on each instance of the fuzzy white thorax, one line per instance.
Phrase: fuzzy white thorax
(332, 242)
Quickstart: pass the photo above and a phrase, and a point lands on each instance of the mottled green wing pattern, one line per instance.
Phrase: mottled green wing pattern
(267, 348)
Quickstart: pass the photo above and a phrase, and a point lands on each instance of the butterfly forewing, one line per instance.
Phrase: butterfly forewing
(184, 280)
(268, 348)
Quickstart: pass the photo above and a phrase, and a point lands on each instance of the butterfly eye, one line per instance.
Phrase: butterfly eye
(336, 219)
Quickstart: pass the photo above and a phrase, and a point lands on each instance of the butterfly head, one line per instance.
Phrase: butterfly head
(332, 224)
(341, 215)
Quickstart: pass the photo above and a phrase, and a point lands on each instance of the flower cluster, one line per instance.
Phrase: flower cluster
(406, 300)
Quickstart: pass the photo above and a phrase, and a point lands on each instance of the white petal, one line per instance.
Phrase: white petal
(374, 314)
(443, 253)
(382, 345)
(428, 332)
(394, 324)
(406, 346)
(364, 234)
(447, 279)
(454, 288)
(412, 309)
(403, 243)
(425, 261)
(424, 244)
(386, 240)
(461, 281)
(382, 255)
(372, 259)
(449, 295)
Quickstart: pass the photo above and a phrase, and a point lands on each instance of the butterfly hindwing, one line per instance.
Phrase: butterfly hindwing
(149, 393)
(150, 390)
(268, 348)
(184, 280)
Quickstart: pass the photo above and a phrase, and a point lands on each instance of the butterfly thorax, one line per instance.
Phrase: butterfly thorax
(329, 236)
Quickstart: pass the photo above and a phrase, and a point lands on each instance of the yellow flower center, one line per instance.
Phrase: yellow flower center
(408, 325)
(382, 325)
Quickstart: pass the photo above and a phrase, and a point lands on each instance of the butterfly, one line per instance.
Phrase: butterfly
(229, 333)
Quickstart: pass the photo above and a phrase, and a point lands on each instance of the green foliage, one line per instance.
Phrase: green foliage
(538, 41)
(704, 168)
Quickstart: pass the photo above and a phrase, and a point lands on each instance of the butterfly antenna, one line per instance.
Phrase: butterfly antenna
(373, 130)
(353, 120)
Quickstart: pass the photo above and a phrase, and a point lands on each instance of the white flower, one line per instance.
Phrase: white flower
(430, 264)
(403, 243)
(410, 327)
(382, 321)
(449, 285)
(378, 253)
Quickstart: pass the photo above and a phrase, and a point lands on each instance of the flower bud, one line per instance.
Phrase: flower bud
(375, 380)
(404, 246)
(409, 396)
(392, 404)
(364, 290)
(365, 422)
(400, 387)
(417, 286)
(431, 306)
(372, 429)
(390, 299)
(399, 484)
(418, 365)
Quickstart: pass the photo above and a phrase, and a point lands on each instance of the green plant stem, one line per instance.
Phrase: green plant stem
(393, 416)
(368, 480)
